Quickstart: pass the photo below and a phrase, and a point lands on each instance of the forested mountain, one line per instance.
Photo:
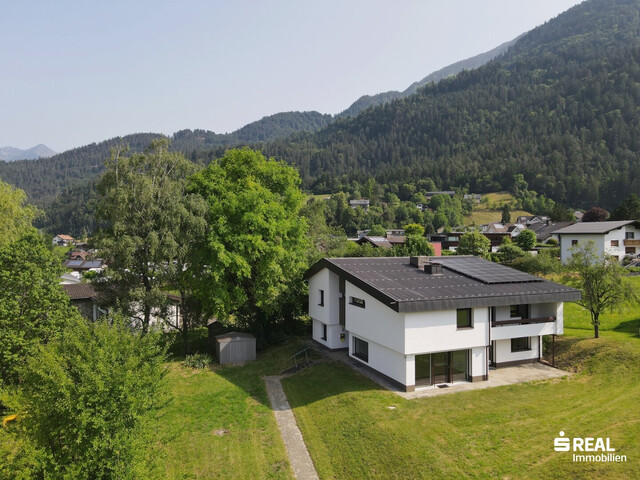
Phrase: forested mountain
(45, 178)
(562, 107)
(367, 101)
(11, 153)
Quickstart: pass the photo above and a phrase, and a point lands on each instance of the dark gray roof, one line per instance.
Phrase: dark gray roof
(544, 231)
(465, 282)
(595, 227)
(375, 241)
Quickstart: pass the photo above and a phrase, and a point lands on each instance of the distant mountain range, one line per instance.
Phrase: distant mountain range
(10, 154)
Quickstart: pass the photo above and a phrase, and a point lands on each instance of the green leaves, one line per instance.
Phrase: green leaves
(86, 399)
(601, 280)
(33, 307)
(255, 245)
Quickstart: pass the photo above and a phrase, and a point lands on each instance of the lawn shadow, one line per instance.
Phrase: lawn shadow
(273, 360)
(632, 327)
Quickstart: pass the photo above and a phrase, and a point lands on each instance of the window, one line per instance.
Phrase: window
(463, 318)
(629, 235)
(574, 242)
(520, 344)
(321, 298)
(630, 250)
(361, 349)
(519, 311)
(324, 332)
(615, 243)
(356, 302)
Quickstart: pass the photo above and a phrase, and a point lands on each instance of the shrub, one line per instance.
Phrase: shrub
(198, 360)
(87, 402)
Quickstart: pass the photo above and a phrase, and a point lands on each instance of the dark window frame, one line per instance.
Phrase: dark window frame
(324, 332)
(361, 349)
(521, 348)
(469, 320)
(357, 302)
(321, 304)
(629, 235)
(574, 242)
(615, 243)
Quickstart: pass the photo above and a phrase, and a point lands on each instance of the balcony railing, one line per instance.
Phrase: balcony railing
(522, 321)
(629, 242)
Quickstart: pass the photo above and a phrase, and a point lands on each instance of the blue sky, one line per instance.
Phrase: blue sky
(77, 72)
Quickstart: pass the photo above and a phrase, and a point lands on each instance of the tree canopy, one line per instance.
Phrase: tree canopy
(601, 280)
(256, 240)
(150, 223)
(473, 243)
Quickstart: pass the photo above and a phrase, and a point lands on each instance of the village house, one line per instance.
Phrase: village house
(62, 240)
(618, 239)
(360, 202)
(424, 321)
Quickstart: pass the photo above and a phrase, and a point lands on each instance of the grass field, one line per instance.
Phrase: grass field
(503, 432)
(231, 398)
(492, 210)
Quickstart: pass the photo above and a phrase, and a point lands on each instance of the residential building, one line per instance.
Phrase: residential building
(430, 195)
(62, 240)
(616, 238)
(423, 321)
(545, 231)
(360, 202)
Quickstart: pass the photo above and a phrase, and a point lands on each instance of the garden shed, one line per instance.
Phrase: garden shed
(235, 347)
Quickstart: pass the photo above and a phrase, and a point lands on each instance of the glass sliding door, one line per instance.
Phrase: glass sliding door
(447, 367)
(423, 369)
(459, 362)
(440, 368)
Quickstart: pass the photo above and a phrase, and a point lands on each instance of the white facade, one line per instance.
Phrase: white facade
(617, 243)
(395, 340)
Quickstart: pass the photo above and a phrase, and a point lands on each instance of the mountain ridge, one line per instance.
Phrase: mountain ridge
(11, 154)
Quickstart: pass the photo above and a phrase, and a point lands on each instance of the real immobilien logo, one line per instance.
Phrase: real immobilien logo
(595, 449)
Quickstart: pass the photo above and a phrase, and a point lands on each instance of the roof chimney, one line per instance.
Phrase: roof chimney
(433, 269)
(419, 262)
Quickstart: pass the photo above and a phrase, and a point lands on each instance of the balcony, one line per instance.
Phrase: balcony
(629, 242)
(523, 327)
(522, 321)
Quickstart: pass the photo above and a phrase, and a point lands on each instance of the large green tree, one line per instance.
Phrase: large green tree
(526, 240)
(86, 404)
(473, 243)
(16, 215)
(255, 246)
(151, 224)
(33, 306)
(604, 288)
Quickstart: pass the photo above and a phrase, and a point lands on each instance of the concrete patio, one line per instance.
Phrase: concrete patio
(497, 377)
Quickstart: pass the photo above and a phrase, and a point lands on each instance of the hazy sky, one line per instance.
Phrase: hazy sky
(76, 72)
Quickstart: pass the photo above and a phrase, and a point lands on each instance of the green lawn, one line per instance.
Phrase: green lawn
(492, 210)
(232, 398)
(503, 432)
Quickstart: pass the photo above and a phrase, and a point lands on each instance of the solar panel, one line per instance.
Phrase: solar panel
(75, 263)
(485, 271)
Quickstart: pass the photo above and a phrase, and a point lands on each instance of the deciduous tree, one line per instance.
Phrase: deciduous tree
(604, 288)
(152, 223)
(473, 243)
(86, 401)
(255, 246)
(33, 306)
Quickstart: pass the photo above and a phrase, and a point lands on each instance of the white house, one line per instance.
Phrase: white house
(612, 238)
(62, 240)
(423, 321)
